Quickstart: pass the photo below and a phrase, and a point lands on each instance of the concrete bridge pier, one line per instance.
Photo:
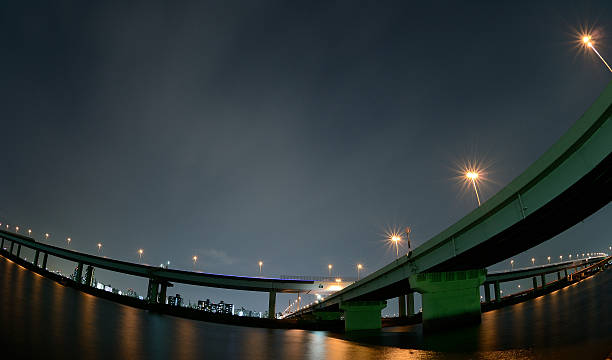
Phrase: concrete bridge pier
(163, 291)
(487, 292)
(497, 291)
(2, 246)
(18, 249)
(565, 272)
(272, 305)
(402, 305)
(362, 315)
(152, 291)
(452, 296)
(79, 274)
(44, 263)
(543, 279)
(410, 303)
(535, 282)
(36, 256)
(89, 271)
(12, 245)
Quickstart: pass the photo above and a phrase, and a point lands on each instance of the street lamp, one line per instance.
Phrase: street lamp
(16, 228)
(532, 261)
(29, 232)
(195, 259)
(396, 239)
(512, 263)
(473, 176)
(560, 257)
(68, 240)
(99, 247)
(140, 251)
(329, 267)
(260, 263)
(359, 267)
(46, 236)
(548, 258)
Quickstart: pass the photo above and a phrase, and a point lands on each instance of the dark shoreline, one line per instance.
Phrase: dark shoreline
(305, 324)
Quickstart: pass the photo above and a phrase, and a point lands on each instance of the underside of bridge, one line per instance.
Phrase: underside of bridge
(579, 201)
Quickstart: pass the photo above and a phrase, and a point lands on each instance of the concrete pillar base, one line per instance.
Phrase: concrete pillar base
(152, 291)
(44, 263)
(79, 274)
(449, 297)
(410, 297)
(36, 256)
(362, 315)
(402, 305)
(89, 271)
(12, 245)
(487, 292)
(18, 250)
(272, 305)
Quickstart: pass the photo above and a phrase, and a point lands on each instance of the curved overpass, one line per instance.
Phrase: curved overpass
(569, 182)
(164, 275)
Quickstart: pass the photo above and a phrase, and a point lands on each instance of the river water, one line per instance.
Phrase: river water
(40, 319)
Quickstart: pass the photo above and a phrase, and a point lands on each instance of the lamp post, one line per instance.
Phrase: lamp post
(532, 261)
(68, 240)
(396, 239)
(473, 176)
(512, 263)
(195, 259)
(359, 267)
(548, 258)
(140, 251)
(329, 267)
(99, 248)
(260, 263)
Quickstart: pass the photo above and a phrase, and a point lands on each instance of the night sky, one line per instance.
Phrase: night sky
(291, 132)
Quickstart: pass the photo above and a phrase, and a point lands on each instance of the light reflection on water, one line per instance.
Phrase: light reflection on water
(43, 319)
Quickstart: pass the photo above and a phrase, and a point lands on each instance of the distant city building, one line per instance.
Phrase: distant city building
(175, 300)
(220, 308)
(250, 313)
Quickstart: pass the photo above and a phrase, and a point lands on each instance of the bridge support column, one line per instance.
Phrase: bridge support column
(543, 278)
(362, 315)
(162, 293)
(410, 303)
(272, 305)
(449, 297)
(535, 283)
(497, 291)
(12, 245)
(152, 291)
(79, 274)
(565, 273)
(18, 249)
(401, 300)
(2, 246)
(44, 263)
(36, 256)
(89, 271)
(558, 275)
(487, 292)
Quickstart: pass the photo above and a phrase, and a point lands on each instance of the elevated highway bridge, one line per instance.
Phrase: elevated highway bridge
(569, 182)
